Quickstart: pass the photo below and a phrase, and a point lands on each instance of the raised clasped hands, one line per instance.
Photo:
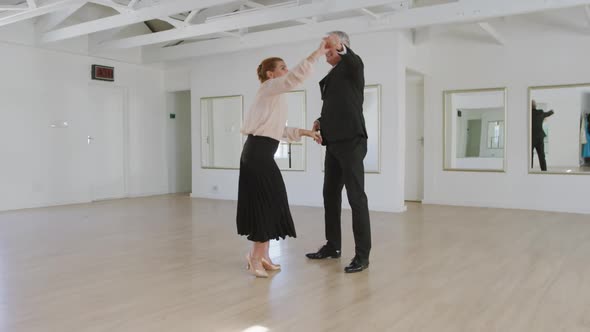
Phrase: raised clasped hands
(322, 49)
(333, 43)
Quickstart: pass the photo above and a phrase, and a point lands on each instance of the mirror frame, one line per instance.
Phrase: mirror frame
(200, 129)
(530, 125)
(379, 124)
(303, 140)
(444, 131)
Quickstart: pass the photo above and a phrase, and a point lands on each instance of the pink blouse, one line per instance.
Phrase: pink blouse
(268, 114)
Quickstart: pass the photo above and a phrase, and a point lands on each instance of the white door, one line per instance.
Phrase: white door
(414, 188)
(106, 140)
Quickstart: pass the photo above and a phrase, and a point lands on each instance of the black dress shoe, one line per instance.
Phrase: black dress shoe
(323, 253)
(356, 266)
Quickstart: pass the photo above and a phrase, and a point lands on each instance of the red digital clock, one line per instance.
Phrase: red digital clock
(103, 73)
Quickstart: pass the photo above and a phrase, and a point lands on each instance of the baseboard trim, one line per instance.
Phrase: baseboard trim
(305, 204)
(78, 202)
(504, 206)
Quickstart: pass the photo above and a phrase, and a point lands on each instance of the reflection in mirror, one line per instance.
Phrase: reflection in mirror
(291, 156)
(221, 141)
(474, 130)
(495, 137)
(372, 115)
(559, 129)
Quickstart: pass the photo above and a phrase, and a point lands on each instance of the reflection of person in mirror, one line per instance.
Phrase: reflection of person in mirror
(538, 134)
(342, 126)
(263, 209)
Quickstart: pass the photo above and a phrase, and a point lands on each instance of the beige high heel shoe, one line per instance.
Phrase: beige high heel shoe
(253, 271)
(270, 266)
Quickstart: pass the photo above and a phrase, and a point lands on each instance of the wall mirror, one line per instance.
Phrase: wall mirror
(474, 130)
(291, 156)
(372, 114)
(559, 129)
(221, 140)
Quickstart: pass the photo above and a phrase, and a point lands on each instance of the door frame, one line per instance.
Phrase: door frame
(126, 138)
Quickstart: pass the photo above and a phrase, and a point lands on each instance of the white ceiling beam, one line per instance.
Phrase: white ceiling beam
(402, 5)
(243, 31)
(191, 16)
(308, 20)
(168, 8)
(40, 10)
(245, 20)
(174, 22)
(413, 18)
(103, 35)
(13, 8)
(116, 6)
(50, 21)
(487, 27)
(32, 4)
(253, 4)
(472, 11)
(132, 4)
(369, 13)
(255, 40)
(231, 34)
(454, 12)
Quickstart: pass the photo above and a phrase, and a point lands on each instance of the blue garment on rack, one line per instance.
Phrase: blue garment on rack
(586, 148)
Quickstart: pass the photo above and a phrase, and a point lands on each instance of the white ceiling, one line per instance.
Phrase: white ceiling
(179, 28)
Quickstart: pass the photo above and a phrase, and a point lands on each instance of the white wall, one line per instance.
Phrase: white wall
(42, 166)
(232, 74)
(177, 79)
(529, 58)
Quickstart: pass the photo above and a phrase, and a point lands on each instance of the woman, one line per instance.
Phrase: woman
(263, 209)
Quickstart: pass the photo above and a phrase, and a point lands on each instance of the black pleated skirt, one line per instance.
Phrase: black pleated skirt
(263, 208)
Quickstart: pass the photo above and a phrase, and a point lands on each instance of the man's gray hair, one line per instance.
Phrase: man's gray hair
(343, 37)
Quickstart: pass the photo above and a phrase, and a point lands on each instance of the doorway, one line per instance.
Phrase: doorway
(179, 142)
(414, 180)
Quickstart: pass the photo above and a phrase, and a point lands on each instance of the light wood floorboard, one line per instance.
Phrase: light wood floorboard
(171, 263)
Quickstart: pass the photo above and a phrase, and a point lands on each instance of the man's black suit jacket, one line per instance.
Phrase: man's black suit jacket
(537, 124)
(343, 94)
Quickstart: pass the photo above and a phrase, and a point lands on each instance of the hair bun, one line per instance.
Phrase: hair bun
(268, 64)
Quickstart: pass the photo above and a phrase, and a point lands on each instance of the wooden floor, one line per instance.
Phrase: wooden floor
(170, 264)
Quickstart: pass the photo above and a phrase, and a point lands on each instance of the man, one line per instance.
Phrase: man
(538, 134)
(343, 132)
